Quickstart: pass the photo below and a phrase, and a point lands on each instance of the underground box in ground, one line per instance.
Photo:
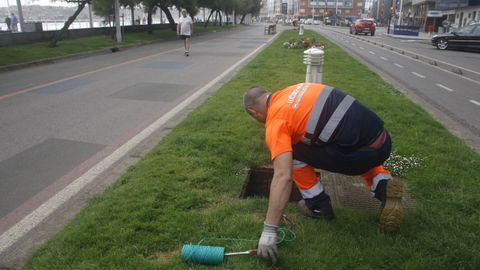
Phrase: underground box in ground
(258, 183)
(345, 191)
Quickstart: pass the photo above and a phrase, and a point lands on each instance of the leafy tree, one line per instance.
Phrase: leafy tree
(190, 5)
(150, 7)
(103, 8)
(130, 4)
(213, 5)
(59, 35)
(249, 7)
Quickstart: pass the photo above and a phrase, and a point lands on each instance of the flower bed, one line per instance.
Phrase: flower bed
(303, 43)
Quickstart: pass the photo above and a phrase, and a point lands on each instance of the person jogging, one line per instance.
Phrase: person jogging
(311, 125)
(185, 30)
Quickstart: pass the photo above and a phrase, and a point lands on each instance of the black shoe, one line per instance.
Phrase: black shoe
(390, 193)
(323, 211)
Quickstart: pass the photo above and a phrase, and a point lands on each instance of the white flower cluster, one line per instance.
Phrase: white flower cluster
(399, 165)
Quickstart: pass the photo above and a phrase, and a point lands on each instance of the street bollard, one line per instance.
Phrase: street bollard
(302, 29)
(313, 58)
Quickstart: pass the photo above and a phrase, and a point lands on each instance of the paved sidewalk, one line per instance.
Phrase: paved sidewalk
(60, 120)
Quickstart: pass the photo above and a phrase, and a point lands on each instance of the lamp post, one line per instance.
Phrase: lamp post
(400, 13)
(336, 12)
(90, 15)
(117, 22)
(20, 15)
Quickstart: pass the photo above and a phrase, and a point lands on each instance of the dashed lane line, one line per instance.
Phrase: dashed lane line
(370, 52)
(384, 58)
(431, 60)
(361, 48)
(397, 65)
(475, 102)
(444, 87)
(418, 75)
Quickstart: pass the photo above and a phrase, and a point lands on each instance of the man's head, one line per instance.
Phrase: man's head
(255, 103)
(184, 12)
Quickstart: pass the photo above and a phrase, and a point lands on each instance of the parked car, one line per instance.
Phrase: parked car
(363, 26)
(327, 21)
(309, 21)
(467, 37)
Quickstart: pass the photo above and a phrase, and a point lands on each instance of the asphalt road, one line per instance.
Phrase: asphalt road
(59, 120)
(451, 98)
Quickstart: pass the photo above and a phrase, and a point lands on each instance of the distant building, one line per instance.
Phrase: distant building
(348, 9)
(380, 13)
(457, 13)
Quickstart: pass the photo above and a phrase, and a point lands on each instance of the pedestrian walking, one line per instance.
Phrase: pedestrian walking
(14, 23)
(185, 30)
(311, 125)
(8, 21)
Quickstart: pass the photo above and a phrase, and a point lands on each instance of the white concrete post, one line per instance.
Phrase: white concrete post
(313, 58)
(302, 29)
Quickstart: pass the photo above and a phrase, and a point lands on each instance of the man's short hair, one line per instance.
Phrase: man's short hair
(251, 96)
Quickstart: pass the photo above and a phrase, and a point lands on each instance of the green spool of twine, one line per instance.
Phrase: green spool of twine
(208, 255)
(215, 255)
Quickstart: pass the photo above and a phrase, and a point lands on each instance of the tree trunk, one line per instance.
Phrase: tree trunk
(221, 18)
(132, 10)
(208, 19)
(170, 19)
(58, 36)
(149, 21)
(243, 18)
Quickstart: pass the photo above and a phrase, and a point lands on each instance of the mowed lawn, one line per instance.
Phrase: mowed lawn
(188, 187)
(25, 53)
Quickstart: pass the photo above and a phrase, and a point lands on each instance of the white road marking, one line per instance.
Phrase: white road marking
(475, 102)
(353, 44)
(398, 65)
(431, 59)
(370, 52)
(444, 87)
(12, 235)
(361, 48)
(418, 75)
(384, 58)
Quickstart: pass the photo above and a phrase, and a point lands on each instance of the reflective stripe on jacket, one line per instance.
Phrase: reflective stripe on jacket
(338, 117)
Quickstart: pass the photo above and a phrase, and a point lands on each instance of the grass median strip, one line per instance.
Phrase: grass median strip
(187, 188)
(11, 55)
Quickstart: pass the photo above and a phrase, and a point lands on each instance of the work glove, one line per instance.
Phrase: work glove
(267, 245)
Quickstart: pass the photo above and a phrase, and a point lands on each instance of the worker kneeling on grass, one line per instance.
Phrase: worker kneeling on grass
(312, 125)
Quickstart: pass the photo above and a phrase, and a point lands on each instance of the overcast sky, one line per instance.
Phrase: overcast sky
(4, 3)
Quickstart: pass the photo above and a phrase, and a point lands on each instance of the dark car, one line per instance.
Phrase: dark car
(467, 37)
(364, 26)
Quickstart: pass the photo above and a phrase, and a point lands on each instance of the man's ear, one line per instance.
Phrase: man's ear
(251, 111)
